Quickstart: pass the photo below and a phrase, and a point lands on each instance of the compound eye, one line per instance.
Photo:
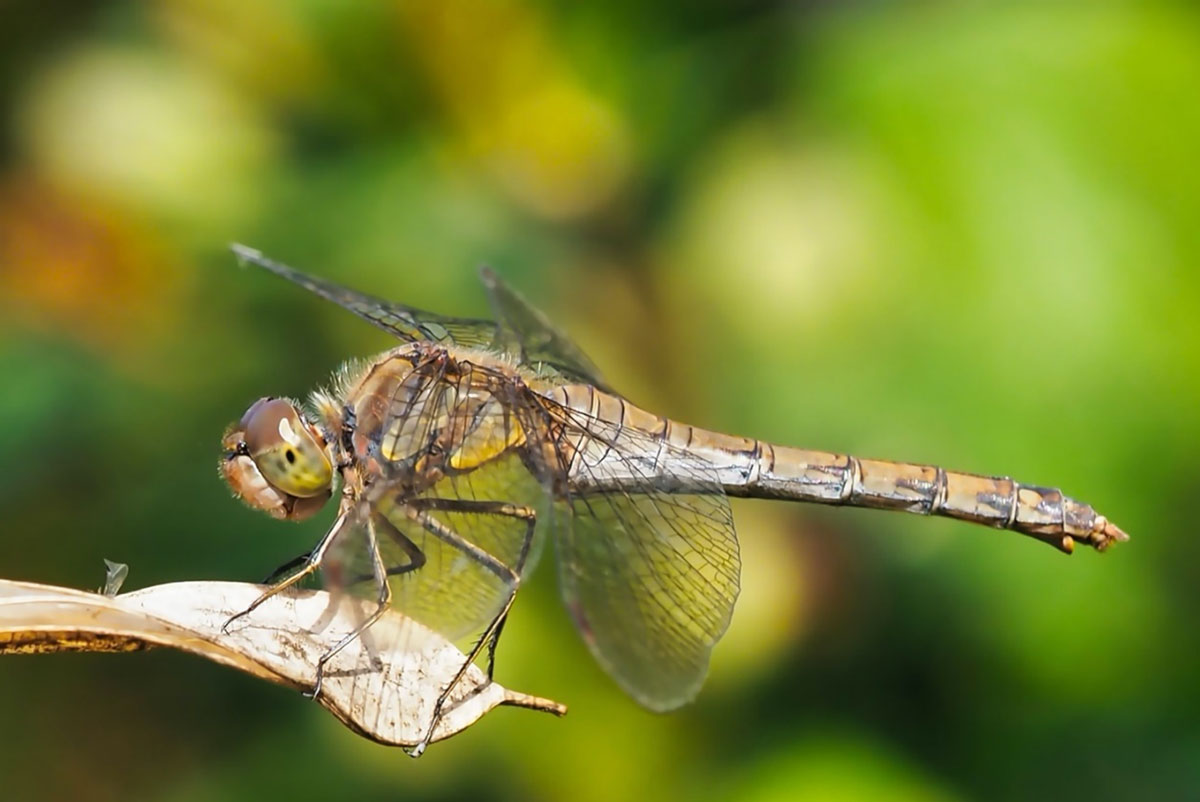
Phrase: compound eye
(288, 451)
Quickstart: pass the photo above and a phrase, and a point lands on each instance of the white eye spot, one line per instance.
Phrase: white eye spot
(288, 433)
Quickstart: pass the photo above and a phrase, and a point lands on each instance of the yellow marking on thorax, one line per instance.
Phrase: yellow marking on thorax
(362, 384)
(487, 441)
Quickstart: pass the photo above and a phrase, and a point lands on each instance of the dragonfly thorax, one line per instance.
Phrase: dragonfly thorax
(275, 460)
(417, 413)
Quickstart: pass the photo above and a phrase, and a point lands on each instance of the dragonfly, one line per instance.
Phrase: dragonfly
(459, 452)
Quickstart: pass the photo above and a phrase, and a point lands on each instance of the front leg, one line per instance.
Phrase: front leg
(286, 568)
(500, 508)
(310, 565)
(383, 599)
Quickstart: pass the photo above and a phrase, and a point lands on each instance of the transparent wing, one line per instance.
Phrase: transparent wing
(450, 553)
(455, 512)
(519, 330)
(526, 333)
(402, 321)
(650, 577)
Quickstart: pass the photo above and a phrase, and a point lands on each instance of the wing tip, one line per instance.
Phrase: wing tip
(245, 254)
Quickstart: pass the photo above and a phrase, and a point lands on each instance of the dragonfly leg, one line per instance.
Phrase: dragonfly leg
(416, 557)
(382, 600)
(309, 567)
(418, 510)
(492, 644)
(504, 509)
(286, 568)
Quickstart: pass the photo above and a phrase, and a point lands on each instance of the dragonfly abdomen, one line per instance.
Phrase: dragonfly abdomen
(998, 501)
(630, 448)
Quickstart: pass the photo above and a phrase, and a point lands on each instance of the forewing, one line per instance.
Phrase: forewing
(526, 333)
(405, 322)
(520, 330)
(452, 550)
(469, 556)
(649, 576)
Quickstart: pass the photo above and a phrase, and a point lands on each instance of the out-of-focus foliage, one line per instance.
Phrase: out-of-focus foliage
(964, 235)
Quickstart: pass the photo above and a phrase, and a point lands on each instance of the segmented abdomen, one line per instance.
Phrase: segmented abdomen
(629, 446)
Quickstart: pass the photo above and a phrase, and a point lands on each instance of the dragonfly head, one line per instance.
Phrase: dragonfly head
(276, 461)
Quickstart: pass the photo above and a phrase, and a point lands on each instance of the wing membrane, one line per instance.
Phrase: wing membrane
(650, 577)
(453, 550)
(520, 330)
(526, 333)
(454, 590)
(405, 322)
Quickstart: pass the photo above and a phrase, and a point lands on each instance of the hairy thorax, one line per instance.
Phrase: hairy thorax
(420, 412)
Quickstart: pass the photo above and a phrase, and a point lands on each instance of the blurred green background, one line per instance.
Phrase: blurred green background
(942, 233)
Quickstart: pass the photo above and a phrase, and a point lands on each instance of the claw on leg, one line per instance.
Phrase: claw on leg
(311, 564)
(316, 688)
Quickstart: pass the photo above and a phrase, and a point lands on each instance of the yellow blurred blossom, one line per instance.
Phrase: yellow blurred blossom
(147, 133)
(557, 148)
(263, 46)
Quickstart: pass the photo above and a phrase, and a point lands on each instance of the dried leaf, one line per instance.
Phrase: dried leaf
(387, 696)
